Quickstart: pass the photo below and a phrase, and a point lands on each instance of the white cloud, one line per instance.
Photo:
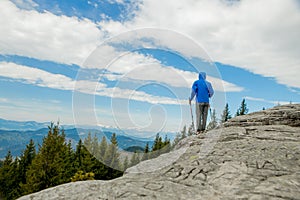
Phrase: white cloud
(132, 66)
(42, 78)
(70, 40)
(35, 76)
(267, 101)
(46, 36)
(260, 36)
(176, 77)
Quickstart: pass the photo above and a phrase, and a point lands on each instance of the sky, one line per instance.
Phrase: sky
(130, 64)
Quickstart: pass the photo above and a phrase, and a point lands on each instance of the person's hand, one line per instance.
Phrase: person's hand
(190, 101)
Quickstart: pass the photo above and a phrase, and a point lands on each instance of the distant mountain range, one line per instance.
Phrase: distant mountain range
(15, 135)
(21, 126)
(16, 141)
(33, 126)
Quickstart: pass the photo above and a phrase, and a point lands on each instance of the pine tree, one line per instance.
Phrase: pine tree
(79, 155)
(111, 157)
(157, 146)
(183, 132)
(191, 130)
(89, 163)
(85, 158)
(26, 159)
(166, 145)
(95, 151)
(25, 162)
(126, 163)
(134, 159)
(88, 142)
(103, 147)
(243, 110)
(176, 139)
(5, 175)
(49, 168)
(226, 114)
(69, 161)
(9, 178)
(156, 143)
(146, 152)
(213, 123)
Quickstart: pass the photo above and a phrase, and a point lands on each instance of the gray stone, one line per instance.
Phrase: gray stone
(256, 156)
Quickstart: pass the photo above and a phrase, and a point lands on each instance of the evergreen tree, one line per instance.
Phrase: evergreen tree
(103, 147)
(156, 143)
(70, 162)
(183, 132)
(49, 168)
(95, 147)
(83, 158)
(243, 110)
(166, 145)
(89, 163)
(5, 174)
(111, 157)
(179, 136)
(79, 155)
(126, 163)
(191, 130)
(157, 146)
(213, 123)
(146, 152)
(87, 142)
(176, 139)
(25, 161)
(9, 178)
(134, 159)
(226, 114)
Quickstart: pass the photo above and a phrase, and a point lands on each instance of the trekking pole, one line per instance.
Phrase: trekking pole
(193, 126)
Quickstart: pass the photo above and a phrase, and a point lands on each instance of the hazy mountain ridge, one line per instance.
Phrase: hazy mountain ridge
(22, 125)
(16, 140)
(10, 125)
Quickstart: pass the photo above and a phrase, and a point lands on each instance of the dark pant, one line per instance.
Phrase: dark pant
(201, 112)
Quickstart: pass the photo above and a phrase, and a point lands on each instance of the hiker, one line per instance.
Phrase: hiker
(203, 91)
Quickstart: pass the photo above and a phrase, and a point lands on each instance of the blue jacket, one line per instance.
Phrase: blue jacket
(202, 89)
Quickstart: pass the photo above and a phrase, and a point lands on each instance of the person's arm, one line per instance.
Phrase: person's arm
(210, 90)
(193, 93)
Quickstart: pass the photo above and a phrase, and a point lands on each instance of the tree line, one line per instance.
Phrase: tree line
(226, 115)
(56, 162)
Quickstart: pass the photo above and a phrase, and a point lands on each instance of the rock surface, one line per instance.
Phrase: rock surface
(256, 156)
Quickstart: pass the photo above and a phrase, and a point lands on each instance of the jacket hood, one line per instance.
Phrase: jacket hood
(202, 75)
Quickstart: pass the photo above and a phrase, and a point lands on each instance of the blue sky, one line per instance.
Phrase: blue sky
(130, 64)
